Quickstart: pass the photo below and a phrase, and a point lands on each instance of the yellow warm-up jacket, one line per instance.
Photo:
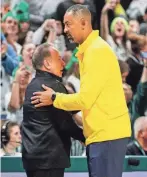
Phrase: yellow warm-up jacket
(101, 98)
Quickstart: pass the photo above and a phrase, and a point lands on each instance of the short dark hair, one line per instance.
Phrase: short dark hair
(78, 8)
(40, 53)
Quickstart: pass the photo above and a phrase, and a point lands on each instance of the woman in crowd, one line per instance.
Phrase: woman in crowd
(10, 139)
(118, 38)
(22, 76)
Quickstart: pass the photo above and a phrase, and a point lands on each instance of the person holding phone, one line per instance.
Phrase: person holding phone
(22, 75)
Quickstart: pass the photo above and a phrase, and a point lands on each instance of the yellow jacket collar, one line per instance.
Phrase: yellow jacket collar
(81, 49)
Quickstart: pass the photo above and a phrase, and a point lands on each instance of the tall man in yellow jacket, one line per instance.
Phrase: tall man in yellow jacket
(106, 123)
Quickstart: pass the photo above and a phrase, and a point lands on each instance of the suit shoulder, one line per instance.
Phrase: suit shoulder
(130, 145)
(131, 148)
(59, 87)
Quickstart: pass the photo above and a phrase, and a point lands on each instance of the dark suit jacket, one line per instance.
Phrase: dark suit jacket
(46, 131)
(133, 149)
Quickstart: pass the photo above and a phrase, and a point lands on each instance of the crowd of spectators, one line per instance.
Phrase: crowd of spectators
(27, 24)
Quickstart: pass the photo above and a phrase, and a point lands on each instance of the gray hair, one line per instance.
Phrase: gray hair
(78, 10)
(40, 53)
(139, 125)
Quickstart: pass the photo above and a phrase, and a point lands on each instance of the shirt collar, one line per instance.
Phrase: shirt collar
(40, 73)
(82, 48)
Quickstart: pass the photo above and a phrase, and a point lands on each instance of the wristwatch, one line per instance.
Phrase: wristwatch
(53, 97)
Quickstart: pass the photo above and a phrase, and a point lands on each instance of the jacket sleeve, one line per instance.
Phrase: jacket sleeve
(9, 64)
(12, 53)
(94, 76)
(10, 60)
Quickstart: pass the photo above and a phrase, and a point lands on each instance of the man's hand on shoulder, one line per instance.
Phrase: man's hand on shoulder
(43, 98)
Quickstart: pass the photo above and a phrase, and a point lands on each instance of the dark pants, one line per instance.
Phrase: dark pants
(105, 159)
(46, 173)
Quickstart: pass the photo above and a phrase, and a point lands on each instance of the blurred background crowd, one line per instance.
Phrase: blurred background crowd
(27, 24)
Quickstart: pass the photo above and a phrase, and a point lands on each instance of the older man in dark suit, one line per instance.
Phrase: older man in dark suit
(46, 131)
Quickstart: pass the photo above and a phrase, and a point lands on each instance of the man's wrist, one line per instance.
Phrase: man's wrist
(53, 97)
(52, 30)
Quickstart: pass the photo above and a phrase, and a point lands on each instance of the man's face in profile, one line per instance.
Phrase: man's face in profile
(73, 27)
(55, 63)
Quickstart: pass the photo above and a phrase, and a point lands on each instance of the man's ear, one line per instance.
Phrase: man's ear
(141, 133)
(47, 63)
(83, 22)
